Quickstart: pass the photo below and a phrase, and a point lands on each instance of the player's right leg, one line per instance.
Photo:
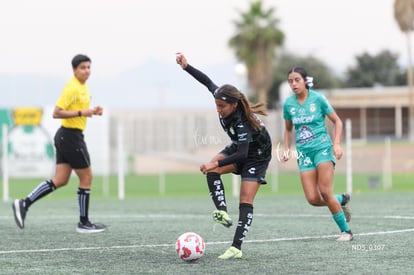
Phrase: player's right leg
(222, 217)
(217, 193)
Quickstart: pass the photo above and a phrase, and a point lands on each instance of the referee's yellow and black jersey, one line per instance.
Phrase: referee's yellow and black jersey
(75, 96)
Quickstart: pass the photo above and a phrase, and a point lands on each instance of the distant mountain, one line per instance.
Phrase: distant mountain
(151, 85)
(29, 90)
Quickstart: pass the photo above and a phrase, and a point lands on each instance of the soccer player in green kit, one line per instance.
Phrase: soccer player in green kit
(305, 111)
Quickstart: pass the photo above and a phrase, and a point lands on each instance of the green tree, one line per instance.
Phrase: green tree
(324, 77)
(255, 42)
(404, 14)
(381, 69)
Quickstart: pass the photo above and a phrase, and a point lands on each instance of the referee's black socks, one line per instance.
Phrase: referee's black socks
(83, 201)
(39, 192)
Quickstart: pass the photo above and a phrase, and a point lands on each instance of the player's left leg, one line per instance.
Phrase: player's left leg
(325, 172)
(248, 190)
(84, 190)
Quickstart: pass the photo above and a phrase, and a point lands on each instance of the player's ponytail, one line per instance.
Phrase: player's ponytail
(250, 111)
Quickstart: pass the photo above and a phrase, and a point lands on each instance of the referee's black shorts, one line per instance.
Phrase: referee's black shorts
(71, 148)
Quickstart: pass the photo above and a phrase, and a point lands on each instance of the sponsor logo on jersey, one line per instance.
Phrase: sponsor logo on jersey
(303, 119)
(305, 135)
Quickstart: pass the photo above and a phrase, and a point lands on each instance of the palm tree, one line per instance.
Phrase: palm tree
(404, 15)
(257, 37)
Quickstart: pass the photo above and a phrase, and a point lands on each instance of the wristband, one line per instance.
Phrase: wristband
(79, 113)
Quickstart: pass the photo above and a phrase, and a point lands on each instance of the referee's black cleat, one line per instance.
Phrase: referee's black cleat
(345, 206)
(19, 213)
(89, 227)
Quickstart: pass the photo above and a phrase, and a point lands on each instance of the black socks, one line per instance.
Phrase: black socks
(39, 192)
(216, 187)
(83, 201)
(243, 225)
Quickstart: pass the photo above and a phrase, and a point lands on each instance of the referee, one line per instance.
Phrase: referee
(71, 152)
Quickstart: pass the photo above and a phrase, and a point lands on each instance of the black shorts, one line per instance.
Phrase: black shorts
(71, 148)
(253, 169)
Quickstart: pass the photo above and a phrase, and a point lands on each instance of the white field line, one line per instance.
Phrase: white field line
(192, 216)
(115, 247)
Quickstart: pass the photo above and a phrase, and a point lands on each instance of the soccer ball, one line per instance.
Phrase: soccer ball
(190, 246)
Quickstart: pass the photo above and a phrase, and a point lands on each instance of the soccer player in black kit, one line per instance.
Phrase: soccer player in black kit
(248, 155)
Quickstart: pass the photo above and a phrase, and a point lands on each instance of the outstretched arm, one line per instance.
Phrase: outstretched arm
(198, 75)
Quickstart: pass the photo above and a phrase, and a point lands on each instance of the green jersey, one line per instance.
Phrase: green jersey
(308, 119)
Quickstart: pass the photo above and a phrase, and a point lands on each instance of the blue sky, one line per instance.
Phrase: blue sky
(40, 37)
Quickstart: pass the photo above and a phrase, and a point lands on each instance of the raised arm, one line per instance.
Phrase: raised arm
(198, 75)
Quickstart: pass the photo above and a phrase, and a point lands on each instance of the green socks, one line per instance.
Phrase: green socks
(340, 221)
(340, 198)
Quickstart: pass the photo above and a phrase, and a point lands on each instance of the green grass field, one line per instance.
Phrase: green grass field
(194, 184)
(287, 236)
